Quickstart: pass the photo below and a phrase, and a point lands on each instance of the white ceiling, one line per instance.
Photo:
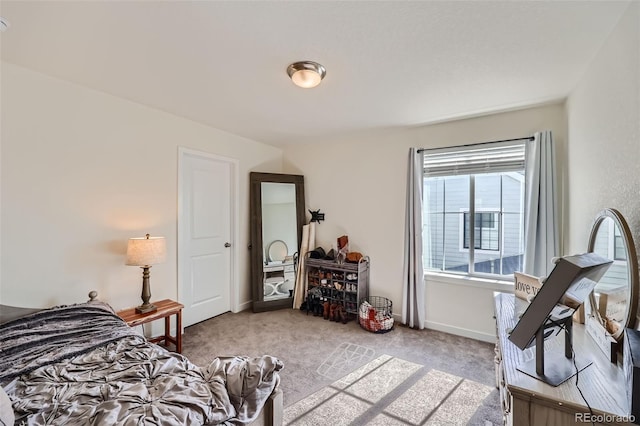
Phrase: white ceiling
(389, 64)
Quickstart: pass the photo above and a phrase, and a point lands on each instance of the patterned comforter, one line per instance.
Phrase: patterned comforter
(81, 364)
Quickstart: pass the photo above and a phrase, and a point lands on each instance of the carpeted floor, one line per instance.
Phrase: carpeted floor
(317, 353)
(389, 391)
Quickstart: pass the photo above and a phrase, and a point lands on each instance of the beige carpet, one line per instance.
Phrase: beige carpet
(316, 353)
(390, 391)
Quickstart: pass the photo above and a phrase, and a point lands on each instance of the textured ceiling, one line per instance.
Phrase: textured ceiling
(388, 64)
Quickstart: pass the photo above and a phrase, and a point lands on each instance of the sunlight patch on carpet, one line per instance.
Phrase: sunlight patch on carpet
(344, 359)
(375, 386)
(440, 398)
(384, 420)
(417, 402)
(461, 404)
(339, 409)
(391, 391)
(351, 378)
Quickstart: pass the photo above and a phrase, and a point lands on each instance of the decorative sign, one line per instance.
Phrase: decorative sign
(526, 286)
(603, 338)
(612, 303)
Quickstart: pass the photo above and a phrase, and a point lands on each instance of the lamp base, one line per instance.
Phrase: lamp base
(146, 309)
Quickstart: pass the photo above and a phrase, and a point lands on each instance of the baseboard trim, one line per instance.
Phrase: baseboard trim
(459, 331)
(243, 307)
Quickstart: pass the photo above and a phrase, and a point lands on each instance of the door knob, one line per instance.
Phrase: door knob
(227, 245)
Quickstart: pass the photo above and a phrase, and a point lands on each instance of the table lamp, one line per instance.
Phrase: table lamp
(144, 252)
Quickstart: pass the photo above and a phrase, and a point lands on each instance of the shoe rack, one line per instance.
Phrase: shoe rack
(342, 285)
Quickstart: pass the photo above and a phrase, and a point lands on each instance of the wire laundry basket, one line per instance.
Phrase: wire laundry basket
(376, 314)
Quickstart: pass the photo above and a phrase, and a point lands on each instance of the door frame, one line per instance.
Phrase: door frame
(234, 206)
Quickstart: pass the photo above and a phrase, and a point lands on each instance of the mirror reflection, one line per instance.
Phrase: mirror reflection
(279, 238)
(612, 291)
(614, 300)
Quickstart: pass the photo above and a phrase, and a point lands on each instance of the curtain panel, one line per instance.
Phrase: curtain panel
(413, 293)
(541, 233)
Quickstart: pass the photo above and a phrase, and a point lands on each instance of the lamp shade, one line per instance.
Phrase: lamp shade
(146, 251)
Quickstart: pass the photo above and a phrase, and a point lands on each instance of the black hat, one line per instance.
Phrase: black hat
(317, 253)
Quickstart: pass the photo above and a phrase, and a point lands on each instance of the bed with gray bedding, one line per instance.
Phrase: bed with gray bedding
(81, 364)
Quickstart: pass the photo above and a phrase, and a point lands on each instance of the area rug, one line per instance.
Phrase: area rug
(390, 391)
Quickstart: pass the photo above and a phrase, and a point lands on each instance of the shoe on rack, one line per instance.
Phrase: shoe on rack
(344, 316)
(333, 311)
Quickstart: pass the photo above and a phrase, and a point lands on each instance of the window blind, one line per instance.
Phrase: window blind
(482, 158)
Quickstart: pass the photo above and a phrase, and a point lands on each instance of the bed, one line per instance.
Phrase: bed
(81, 364)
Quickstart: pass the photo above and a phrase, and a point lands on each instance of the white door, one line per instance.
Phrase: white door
(204, 235)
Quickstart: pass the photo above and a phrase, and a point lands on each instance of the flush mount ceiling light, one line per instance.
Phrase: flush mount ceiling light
(306, 74)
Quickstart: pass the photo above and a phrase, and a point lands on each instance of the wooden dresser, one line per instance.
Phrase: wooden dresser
(530, 402)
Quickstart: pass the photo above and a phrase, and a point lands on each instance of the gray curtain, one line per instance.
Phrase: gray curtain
(413, 301)
(541, 234)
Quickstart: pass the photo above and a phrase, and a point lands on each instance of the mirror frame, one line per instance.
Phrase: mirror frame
(632, 306)
(256, 243)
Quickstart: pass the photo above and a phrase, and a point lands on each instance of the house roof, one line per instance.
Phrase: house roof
(389, 63)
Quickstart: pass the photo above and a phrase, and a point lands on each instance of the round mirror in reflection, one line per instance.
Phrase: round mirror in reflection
(615, 295)
(277, 251)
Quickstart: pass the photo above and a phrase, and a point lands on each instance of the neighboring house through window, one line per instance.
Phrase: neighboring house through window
(473, 209)
(610, 243)
(619, 249)
(486, 230)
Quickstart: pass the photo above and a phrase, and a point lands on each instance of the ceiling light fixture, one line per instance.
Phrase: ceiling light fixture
(306, 74)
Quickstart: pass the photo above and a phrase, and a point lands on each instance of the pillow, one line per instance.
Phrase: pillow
(7, 417)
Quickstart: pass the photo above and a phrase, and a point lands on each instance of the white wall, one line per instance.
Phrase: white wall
(82, 172)
(359, 182)
(604, 135)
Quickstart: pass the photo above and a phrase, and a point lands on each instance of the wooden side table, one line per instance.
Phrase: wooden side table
(166, 308)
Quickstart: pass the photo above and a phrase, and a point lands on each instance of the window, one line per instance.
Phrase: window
(619, 249)
(474, 209)
(486, 231)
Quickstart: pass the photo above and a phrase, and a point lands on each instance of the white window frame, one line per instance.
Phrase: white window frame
(464, 167)
(500, 248)
(611, 242)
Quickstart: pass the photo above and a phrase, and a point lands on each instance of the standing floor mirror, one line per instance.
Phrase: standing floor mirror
(277, 215)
